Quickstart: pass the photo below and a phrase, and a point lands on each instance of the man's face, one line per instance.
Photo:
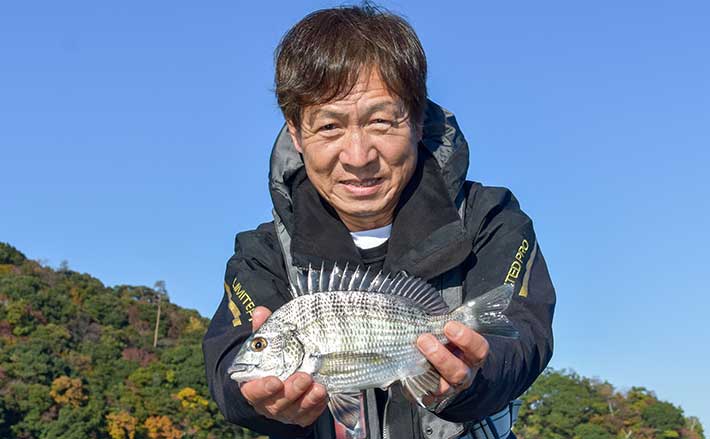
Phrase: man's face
(359, 152)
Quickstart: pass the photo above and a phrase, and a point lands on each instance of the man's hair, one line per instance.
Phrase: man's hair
(320, 59)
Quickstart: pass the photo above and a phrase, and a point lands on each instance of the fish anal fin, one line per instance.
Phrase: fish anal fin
(422, 385)
(346, 409)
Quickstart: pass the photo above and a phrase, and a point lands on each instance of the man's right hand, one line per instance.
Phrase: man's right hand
(298, 400)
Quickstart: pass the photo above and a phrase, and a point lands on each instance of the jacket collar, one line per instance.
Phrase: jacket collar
(428, 236)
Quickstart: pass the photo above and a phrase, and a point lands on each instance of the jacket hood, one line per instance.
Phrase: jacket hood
(441, 136)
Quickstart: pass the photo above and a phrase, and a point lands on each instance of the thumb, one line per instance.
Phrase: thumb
(259, 316)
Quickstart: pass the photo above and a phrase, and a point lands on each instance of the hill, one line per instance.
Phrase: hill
(564, 405)
(77, 360)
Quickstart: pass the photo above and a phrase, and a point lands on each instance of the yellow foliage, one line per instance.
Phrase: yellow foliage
(7, 268)
(75, 295)
(67, 390)
(195, 325)
(121, 425)
(161, 427)
(190, 399)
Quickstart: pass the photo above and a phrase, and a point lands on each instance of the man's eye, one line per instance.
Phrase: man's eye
(327, 127)
(382, 121)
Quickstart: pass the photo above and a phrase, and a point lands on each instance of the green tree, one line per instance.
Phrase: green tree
(664, 417)
(10, 255)
(556, 404)
(591, 431)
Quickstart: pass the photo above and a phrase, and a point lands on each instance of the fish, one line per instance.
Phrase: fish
(353, 329)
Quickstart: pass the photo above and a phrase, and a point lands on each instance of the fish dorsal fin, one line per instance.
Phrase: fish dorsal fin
(347, 410)
(301, 286)
(418, 291)
(315, 280)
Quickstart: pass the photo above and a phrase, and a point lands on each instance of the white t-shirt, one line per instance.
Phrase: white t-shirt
(367, 239)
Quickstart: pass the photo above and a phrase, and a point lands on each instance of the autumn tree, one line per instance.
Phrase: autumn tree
(161, 427)
(121, 425)
(67, 390)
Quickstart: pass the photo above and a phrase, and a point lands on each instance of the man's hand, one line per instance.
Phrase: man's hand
(298, 400)
(457, 362)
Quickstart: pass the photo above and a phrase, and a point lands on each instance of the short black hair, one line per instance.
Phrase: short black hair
(321, 57)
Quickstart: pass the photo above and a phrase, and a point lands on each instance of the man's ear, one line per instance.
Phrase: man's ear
(295, 136)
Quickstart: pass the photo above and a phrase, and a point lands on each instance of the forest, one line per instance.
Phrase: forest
(82, 360)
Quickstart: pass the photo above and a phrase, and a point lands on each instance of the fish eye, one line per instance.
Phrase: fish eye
(258, 344)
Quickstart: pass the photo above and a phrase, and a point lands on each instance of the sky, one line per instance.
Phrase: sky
(135, 137)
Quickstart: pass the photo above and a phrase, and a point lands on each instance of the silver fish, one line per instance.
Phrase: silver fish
(354, 330)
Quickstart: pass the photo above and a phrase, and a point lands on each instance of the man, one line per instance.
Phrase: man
(368, 172)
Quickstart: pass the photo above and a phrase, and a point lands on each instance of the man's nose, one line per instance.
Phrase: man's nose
(358, 151)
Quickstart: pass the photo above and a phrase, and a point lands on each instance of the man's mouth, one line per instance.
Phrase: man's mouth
(367, 182)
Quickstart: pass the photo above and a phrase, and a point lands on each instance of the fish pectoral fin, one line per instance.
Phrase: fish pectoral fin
(341, 363)
(347, 410)
(422, 385)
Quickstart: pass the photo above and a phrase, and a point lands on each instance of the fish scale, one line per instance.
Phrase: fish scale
(353, 330)
(353, 322)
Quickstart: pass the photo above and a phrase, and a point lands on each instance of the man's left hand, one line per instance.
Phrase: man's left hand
(456, 362)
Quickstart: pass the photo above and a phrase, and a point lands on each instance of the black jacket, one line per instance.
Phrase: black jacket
(495, 245)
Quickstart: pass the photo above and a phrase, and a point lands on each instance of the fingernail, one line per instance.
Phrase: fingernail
(427, 344)
(272, 386)
(318, 392)
(454, 329)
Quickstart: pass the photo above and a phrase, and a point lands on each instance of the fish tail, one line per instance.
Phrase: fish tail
(484, 314)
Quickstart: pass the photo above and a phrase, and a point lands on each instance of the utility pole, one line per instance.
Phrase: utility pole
(160, 289)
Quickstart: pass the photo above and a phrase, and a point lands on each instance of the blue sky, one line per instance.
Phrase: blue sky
(134, 143)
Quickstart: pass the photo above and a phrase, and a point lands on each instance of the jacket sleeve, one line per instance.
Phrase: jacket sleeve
(254, 277)
(505, 250)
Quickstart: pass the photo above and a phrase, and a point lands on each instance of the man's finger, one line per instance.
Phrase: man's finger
(472, 344)
(258, 316)
(308, 417)
(313, 398)
(294, 388)
(452, 369)
(307, 409)
(258, 391)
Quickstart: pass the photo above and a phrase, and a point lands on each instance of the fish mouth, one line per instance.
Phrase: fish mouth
(240, 368)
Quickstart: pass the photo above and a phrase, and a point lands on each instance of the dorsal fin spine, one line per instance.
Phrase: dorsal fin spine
(385, 281)
(300, 283)
(375, 282)
(311, 288)
(331, 278)
(411, 286)
(321, 277)
(353, 278)
(417, 293)
(399, 279)
(362, 285)
(343, 278)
